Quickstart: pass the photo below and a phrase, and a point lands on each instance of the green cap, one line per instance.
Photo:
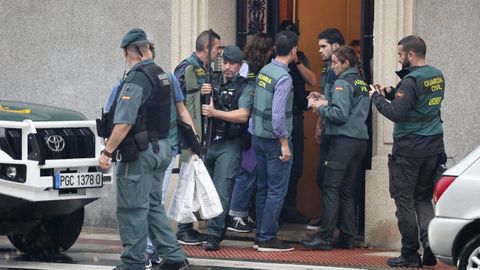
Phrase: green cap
(233, 53)
(134, 35)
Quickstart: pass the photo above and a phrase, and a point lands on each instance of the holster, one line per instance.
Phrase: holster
(128, 150)
(102, 125)
(141, 140)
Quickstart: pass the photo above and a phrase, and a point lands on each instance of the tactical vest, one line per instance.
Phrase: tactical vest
(262, 107)
(226, 99)
(154, 113)
(200, 74)
(424, 119)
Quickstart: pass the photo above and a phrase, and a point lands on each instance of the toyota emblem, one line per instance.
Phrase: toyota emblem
(55, 143)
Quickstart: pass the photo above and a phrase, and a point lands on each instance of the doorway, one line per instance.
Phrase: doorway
(354, 18)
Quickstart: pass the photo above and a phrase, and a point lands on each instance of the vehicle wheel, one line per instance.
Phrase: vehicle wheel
(52, 236)
(470, 256)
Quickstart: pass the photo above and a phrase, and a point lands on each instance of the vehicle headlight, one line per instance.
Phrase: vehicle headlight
(13, 172)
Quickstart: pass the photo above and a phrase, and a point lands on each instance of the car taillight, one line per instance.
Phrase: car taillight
(443, 183)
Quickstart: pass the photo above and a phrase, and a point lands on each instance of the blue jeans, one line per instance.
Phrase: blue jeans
(272, 185)
(242, 192)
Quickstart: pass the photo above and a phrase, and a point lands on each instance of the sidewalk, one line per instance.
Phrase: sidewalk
(240, 248)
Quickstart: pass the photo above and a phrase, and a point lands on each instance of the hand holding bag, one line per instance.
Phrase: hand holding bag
(182, 203)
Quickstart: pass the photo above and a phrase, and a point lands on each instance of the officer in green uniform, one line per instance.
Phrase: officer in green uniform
(191, 74)
(229, 110)
(139, 124)
(418, 147)
(345, 112)
(328, 40)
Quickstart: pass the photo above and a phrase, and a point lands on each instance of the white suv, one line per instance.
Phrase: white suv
(48, 173)
(454, 233)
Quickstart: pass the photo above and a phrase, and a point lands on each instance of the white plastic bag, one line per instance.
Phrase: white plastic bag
(205, 192)
(182, 203)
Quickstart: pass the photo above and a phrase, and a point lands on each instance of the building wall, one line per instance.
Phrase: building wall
(67, 53)
(452, 46)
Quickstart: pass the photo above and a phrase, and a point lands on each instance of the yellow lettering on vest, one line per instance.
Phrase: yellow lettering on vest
(434, 101)
(436, 80)
(265, 78)
(262, 84)
(200, 72)
(434, 84)
(359, 82)
(436, 87)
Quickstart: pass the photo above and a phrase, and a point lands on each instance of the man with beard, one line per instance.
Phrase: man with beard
(417, 146)
(229, 110)
(328, 40)
(191, 74)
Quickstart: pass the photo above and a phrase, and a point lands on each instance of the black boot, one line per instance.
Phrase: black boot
(402, 261)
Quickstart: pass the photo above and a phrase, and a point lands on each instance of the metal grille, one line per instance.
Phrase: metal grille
(55, 143)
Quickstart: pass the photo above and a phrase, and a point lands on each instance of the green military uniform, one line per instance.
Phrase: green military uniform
(139, 182)
(345, 125)
(417, 152)
(224, 154)
(348, 107)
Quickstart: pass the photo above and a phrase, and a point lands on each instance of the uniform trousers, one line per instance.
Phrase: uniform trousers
(222, 162)
(140, 211)
(341, 167)
(411, 187)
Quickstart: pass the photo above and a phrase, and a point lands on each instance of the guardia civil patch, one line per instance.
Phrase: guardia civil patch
(165, 82)
(200, 72)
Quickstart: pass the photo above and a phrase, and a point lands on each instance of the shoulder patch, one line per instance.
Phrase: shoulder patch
(400, 94)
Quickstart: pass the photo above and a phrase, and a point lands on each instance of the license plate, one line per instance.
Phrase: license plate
(78, 180)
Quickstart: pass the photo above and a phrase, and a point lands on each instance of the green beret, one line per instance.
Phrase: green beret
(134, 35)
(233, 53)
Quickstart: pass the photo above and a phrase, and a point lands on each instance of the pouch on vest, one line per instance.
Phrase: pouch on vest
(267, 120)
(128, 150)
(141, 140)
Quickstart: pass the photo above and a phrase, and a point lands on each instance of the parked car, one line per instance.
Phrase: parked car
(48, 173)
(454, 232)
